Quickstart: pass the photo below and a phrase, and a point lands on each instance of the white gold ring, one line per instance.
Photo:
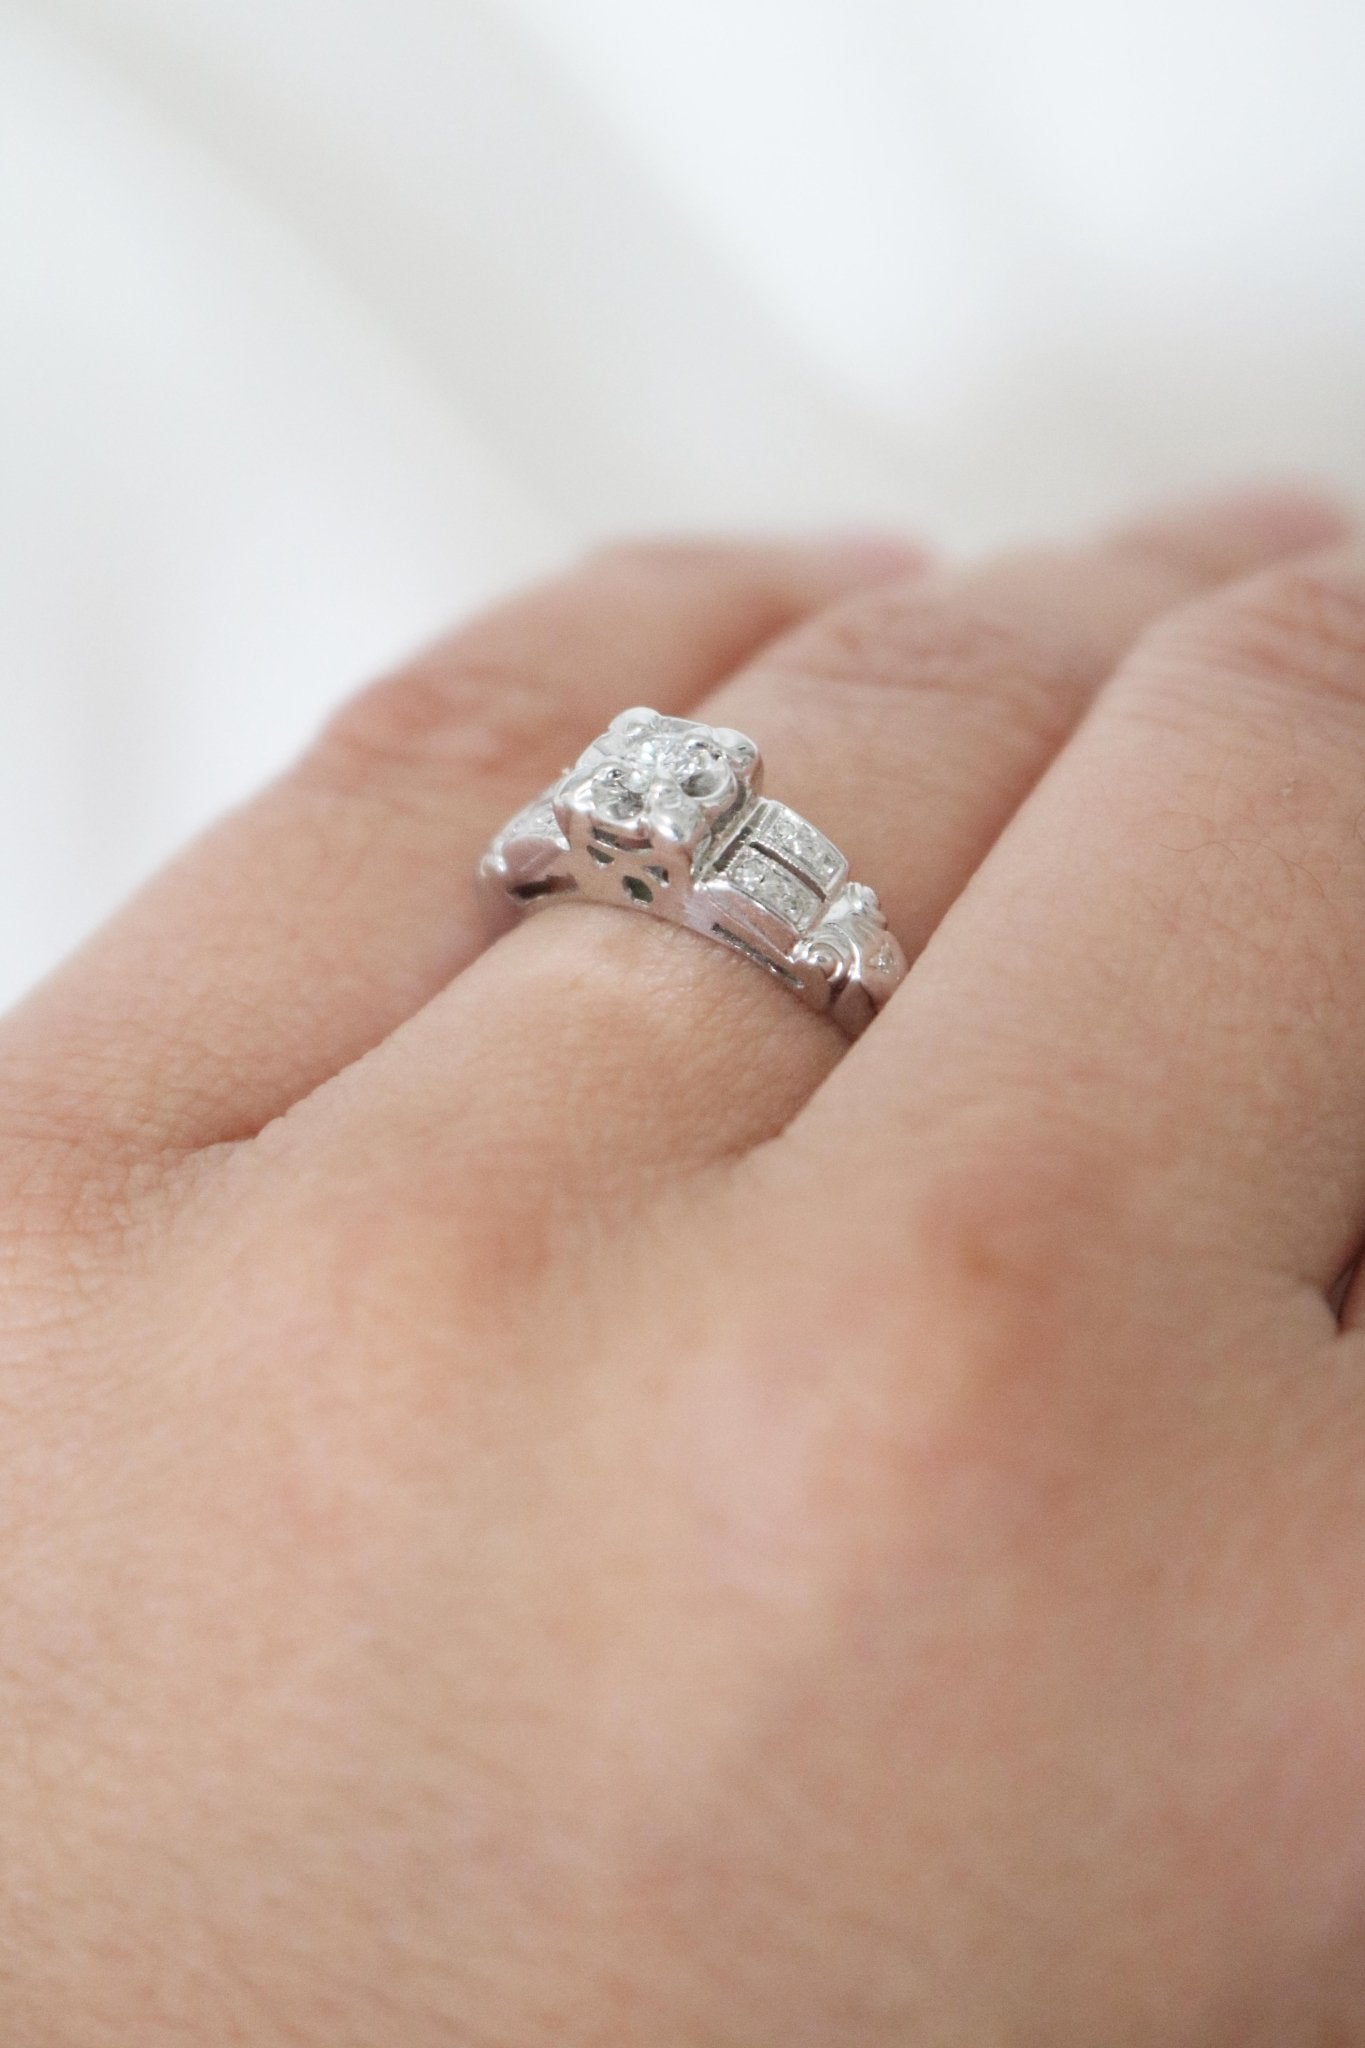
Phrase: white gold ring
(666, 815)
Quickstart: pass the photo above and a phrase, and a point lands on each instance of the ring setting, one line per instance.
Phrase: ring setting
(668, 816)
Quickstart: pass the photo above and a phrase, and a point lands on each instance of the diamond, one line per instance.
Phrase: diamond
(674, 750)
(536, 821)
(788, 835)
(740, 748)
(617, 795)
(769, 885)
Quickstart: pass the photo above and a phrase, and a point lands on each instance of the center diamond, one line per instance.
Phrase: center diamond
(668, 782)
(672, 752)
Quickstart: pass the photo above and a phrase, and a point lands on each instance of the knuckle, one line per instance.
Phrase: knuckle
(461, 712)
(413, 1271)
(757, 569)
(650, 556)
(1297, 629)
(925, 642)
(735, 595)
(1016, 1260)
(1003, 1241)
(1228, 533)
(967, 1337)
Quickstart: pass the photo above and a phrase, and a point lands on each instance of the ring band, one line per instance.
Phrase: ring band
(666, 815)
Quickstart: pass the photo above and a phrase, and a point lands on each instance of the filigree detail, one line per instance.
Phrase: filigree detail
(665, 815)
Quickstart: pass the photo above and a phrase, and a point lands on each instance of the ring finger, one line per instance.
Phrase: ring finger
(302, 929)
(907, 722)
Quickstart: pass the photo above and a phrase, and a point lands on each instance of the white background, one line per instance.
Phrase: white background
(322, 319)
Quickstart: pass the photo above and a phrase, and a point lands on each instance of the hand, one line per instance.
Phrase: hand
(546, 1503)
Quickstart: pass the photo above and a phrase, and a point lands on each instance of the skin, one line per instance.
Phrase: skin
(546, 1502)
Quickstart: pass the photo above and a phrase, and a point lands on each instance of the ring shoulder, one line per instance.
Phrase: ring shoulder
(861, 960)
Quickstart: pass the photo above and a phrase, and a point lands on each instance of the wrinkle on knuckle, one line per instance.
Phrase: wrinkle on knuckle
(919, 643)
(460, 715)
(1295, 634)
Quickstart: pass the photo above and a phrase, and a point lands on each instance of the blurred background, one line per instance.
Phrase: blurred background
(322, 320)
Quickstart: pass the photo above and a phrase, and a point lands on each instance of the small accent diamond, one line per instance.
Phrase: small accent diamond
(538, 817)
(789, 835)
(537, 821)
(767, 884)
